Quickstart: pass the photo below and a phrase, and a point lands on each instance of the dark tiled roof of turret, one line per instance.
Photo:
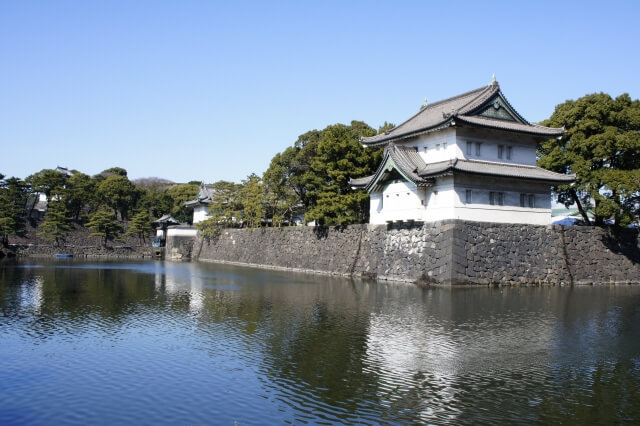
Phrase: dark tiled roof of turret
(410, 164)
(466, 106)
(205, 193)
(488, 168)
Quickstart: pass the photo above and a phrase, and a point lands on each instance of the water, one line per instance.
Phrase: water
(187, 343)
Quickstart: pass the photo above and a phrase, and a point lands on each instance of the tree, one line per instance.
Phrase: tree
(119, 193)
(48, 182)
(252, 199)
(80, 192)
(13, 199)
(57, 223)
(340, 155)
(179, 195)
(224, 210)
(601, 146)
(289, 175)
(140, 225)
(104, 225)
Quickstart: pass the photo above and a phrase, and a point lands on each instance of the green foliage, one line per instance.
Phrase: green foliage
(80, 192)
(210, 228)
(114, 171)
(120, 194)
(48, 182)
(104, 225)
(252, 198)
(140, 225)
(226, 207)
(340, 155)
(13, 199)
(57, 223)
(602, 147)
(180, 194)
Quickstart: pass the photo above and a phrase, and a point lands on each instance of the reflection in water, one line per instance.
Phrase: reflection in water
(163, 342)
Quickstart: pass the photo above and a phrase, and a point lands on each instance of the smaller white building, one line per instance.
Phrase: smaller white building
(200, 204)
(470, 157)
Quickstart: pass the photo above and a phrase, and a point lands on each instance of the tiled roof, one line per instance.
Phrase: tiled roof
(167, 218)
(408, 162)
(205, 194)
(488, 168)
(360, 182)
(512, 126)
(466, 106)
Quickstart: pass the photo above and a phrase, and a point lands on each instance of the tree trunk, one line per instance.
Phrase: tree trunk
(582, 211)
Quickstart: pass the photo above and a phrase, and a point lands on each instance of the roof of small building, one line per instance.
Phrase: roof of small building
(485, 107)
(408, 163)
(167, 218)
(205, 194)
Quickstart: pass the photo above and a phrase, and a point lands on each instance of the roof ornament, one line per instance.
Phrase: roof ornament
(493, 80)
(424, 103)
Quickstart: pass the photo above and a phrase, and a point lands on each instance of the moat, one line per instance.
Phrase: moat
(191, 343)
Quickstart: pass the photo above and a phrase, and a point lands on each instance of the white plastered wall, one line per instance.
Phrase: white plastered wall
(399, 200)
(200, 213)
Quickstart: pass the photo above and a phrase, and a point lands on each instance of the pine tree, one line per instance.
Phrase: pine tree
(103, 225)
(57, 224)
(140, 226)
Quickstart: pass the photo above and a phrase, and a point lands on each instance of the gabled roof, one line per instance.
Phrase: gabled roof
(399, 159)
(167, 218)
(407, 162)
(484, 107)
(205, 194)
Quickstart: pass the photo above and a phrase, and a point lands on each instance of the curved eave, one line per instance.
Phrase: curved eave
(195, 203)
(448, 122)
(511, 127)
(550, 181)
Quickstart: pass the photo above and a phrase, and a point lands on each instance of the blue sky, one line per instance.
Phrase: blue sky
(204, 90)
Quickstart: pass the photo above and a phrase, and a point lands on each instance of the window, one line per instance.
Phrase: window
(509, 152)
(415, 148)
(444, 145)
(478, 145)
(496, 198)
(467, 197)
(469, 148)
(492, 198)
(437, 147)
(528, 200)
(500, 151)
(501, 198)
(425, 148)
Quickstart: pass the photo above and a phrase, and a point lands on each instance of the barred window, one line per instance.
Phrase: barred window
(500, 151)
(467, 196)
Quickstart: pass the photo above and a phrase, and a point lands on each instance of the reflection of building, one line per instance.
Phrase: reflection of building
(181, 278)
(469, 157)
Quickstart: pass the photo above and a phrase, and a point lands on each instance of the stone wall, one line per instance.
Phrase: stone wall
(78, 252)
(446, 253)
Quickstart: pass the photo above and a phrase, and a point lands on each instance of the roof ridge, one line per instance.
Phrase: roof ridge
(493, 88)
(435, 104)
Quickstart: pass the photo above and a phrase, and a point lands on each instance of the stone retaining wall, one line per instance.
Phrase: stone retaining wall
(117, 252)
(446, 253)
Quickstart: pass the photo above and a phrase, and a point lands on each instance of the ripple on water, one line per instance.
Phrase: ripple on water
(158, 343)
